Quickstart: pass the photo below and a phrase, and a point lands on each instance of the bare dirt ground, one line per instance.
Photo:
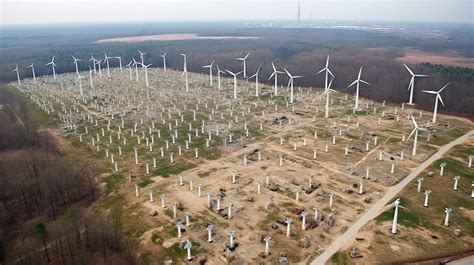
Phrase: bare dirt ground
(173, 37)
(447, 58)
(165, 109)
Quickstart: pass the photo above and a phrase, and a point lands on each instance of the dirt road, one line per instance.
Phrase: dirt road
(379, 207)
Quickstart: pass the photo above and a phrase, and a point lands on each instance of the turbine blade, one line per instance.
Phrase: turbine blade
(444, 87)
(429, 92)
(440, 99)
(353, 83)
(409, 70)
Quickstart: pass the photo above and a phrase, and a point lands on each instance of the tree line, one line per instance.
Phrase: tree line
(44, 198)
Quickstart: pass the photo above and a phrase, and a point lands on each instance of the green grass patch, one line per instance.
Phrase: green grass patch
(112, 182)
(339, 258)
(143, 182)
(168, 170)
(406, 217)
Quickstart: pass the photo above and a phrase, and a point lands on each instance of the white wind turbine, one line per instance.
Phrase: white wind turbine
(106, 60)
(33, 71)
(411, 86)
(120, 62)
(129, 65)
(290, 83)
(328, 91)
(164, 61)
(135, 64)
(235, 81)
(219, 72)
(327, 73)
(53, 65)
(210, 71)
(275, 73)
(79, 78)
(146, 74)
(98, 62)
(17, 74)
(396, 205)
(256, 80)
(93, 62)
(141, 58)
(185, 71)
(438, 97)
(415, 133)
(90, 77)
(76, 64)
(358, 81)
(244, 59)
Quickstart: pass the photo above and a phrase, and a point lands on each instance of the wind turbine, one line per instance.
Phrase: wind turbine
(33, 71)
(75, 63)
(275, 73)
(327, 72)
(164, 61)
(129, 65)
(90, 77)
(185, 71)
(135, 64)
(256, 80)
(411, 86)
(17, 74)
(93, 62)
(219, 71)
(396, 205)
(120, 62)
(79, 77)
(210, 71)
(235, 81)
(107, 61)
(358, 81)
(98, 62)
(327, 91)
(415, 133)
(53, 65)
(146, 74)
(244, 60)
(290, 82)
(438, 97)
(141, 58)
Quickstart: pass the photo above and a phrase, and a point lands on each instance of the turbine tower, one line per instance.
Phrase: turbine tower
(210, 72)
(164, 61)
(244, 59)
(411, 86)
(17, 74)
(438, 97)
(358, 81)
(290, 83)
(275, 73)
(53, 65)
(33, 71)
(415, 132)
(235, 81)
(185, 71)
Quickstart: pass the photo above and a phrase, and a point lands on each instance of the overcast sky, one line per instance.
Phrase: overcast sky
(77, 11)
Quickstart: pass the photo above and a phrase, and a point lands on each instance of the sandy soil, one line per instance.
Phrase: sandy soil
(446, 58)
(174, 37)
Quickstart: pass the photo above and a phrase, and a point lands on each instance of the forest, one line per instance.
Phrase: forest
(44, 196)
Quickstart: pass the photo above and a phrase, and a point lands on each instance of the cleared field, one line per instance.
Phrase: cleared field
(446, 58)
(174, 37)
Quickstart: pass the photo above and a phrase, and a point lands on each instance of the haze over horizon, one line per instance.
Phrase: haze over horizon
(18, 12)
